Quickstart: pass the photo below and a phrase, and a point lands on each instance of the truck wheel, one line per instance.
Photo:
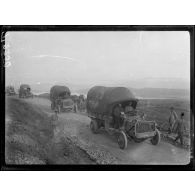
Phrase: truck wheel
(94, 126)
(122, 140)
(156, 139)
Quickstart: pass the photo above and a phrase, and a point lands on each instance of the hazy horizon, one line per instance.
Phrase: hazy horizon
(139, 59)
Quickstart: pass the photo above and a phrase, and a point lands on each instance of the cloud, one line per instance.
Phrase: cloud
(54, 56)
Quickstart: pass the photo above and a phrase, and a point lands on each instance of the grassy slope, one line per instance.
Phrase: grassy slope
(29, 138)
(159, 109)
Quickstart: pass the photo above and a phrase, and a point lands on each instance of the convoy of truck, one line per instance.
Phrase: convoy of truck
(101, 105)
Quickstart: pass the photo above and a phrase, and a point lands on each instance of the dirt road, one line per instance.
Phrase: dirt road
(104, 148)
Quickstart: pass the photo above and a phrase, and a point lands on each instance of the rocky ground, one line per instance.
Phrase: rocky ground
(171, 139)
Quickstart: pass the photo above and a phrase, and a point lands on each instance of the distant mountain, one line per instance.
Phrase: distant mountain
(145, 92)
(157, 83)
(154, 93)
(161, 93)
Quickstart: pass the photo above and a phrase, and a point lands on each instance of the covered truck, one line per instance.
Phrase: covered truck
(25, 91)
(10, 90)
(60, 98)
(101, 105)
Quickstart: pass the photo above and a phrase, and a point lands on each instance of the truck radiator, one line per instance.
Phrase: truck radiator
(143, 127)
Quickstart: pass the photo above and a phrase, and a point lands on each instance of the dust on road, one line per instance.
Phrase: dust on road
(104, 148)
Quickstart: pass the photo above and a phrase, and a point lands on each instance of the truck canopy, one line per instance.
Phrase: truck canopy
(10, 89)
(101, 99)
(59, 91)
(25, 87)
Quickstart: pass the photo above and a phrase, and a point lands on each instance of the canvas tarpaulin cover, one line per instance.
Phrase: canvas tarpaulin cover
(101, 99)
(24, 87)
(57, 90)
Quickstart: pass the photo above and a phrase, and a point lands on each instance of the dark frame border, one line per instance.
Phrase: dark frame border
(189, 28)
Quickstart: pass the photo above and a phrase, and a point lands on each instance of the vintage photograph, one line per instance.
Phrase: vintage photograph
(97, 97)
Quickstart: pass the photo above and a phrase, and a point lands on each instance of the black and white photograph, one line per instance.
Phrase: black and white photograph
(98, 97)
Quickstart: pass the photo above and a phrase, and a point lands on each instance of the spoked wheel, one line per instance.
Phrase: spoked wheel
(156, 139)
(94, 126)
(122, 140)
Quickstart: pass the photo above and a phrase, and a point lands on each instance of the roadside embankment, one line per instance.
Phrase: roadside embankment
(29, 138)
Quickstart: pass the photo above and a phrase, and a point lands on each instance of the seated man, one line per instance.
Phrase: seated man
(130, 110)
(143, 116)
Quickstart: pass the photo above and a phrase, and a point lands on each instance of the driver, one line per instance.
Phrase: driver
(129, 108)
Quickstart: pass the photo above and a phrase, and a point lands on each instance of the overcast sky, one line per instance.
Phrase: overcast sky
(98, 57)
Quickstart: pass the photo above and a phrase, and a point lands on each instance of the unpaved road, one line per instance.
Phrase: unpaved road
(77, 126)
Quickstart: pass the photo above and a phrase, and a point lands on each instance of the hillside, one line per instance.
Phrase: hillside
(29, 138)
(159, 109)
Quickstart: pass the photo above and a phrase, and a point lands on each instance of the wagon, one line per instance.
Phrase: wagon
(100, 104)
(60, 99)
(25, 91)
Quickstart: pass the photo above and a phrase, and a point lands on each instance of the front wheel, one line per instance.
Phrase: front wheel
(94, 126)
(156, 139)
(122, 140)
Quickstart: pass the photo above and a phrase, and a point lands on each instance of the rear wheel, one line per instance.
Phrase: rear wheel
(122, 140)
(156, 139)
(94, 126)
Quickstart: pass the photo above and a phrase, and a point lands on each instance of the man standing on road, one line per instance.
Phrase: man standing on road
(75, 107)
(180, 128)
(58, 104)
(172, 119)
(117, 116)
(54, 121)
